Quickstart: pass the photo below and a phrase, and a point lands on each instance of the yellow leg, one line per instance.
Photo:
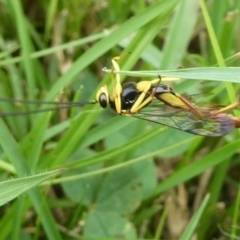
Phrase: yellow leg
(115, 59)
(118, 87)
(227, 108)
(144, 87)
(140, 103)
(165, 79)
(117, 97)
(136, 107)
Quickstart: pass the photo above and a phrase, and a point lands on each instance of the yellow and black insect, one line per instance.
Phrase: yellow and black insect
(155, 102)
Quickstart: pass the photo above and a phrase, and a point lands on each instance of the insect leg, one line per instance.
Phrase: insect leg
(189, 105)
(144, 87)
(235, 120)
(117, 89)
(173, 99)
(227, 108)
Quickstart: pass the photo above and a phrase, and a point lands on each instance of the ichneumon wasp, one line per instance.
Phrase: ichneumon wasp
(155, 102)
(159, 103)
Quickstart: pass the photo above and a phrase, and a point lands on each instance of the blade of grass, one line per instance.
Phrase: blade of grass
(235, 220)
(26, 45)
(51, 13)
(161, 223)
(215, 188)
(7, 221)
(120, 165)
(12, 150)
(19, 214)
(181, 29)
(197, 167)
(11, 189)
(230, 74)
(189, 231)
(223, 167)
(57, 48)
(216, 48)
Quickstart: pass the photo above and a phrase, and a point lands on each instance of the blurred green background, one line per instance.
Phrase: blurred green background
(125, 178)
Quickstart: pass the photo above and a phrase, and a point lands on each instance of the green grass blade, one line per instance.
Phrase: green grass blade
(182, 29)
(13, 152)
(26, 45)
(11, 189)
(229, 74)
(189, 231)
(195, 168)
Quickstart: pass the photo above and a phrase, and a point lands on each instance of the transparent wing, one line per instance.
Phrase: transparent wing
(184, 120)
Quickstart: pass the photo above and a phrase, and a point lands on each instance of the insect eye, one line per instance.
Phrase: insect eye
(103, 100)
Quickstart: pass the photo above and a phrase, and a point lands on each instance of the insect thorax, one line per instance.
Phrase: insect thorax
(129, 96)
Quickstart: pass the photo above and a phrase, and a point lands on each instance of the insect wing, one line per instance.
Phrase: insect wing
(184, 120)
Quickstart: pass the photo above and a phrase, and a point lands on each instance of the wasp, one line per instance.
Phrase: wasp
(154, 102)
(159, 103)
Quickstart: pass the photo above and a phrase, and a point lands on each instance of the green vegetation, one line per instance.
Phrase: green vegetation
(125, 178)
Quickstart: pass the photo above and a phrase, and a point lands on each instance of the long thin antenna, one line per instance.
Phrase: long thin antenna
(14, 100)
(61, 105)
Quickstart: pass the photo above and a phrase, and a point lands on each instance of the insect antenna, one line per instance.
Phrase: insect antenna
(58, 106)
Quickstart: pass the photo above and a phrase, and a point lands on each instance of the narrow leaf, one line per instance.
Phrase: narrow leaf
(11, 189)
